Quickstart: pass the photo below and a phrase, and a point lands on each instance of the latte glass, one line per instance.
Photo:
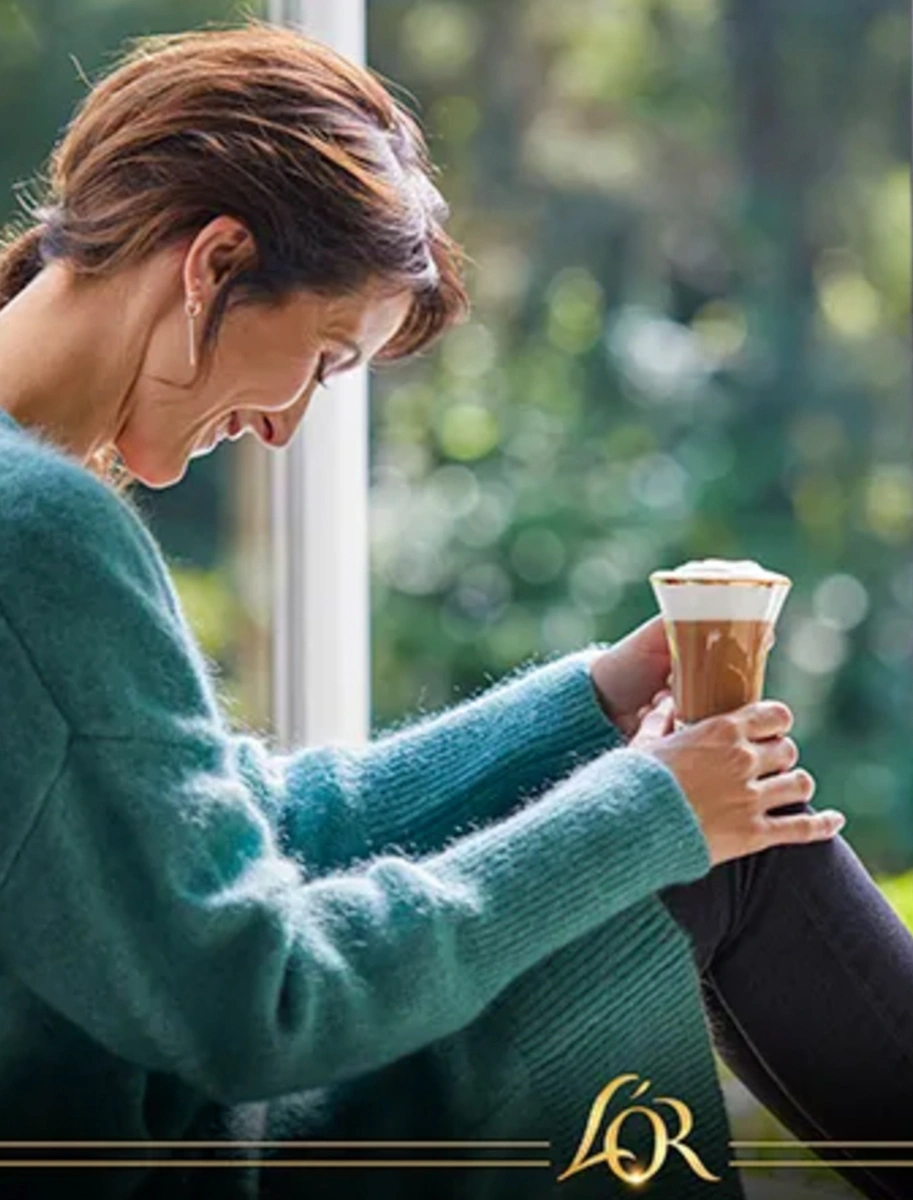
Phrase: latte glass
(720, 618)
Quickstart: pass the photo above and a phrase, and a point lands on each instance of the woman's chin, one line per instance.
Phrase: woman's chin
(154, 473)
(199, 452)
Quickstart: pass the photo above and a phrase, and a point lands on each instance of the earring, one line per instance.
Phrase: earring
(193, 308)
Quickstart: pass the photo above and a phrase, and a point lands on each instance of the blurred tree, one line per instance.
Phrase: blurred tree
(689, 227)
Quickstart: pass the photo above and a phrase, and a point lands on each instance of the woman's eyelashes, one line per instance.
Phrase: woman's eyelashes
(328, 365)
(323, 366)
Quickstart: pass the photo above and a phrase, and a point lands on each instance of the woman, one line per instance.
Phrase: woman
(460, 932)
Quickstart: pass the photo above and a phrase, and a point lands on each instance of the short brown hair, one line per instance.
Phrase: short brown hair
(310, 151)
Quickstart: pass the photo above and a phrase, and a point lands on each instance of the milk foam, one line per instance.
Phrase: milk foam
(715, 589)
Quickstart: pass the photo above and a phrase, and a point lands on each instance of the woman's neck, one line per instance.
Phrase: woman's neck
(64, 366)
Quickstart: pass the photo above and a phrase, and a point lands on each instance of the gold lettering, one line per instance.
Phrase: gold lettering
(686, 1124)
(580, 1161)
(614, 1155)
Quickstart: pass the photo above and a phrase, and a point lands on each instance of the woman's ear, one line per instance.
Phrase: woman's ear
(221, 248)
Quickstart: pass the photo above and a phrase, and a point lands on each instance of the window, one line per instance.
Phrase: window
(319, 486)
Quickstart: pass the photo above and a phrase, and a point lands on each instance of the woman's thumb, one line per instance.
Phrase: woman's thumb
(660, 719)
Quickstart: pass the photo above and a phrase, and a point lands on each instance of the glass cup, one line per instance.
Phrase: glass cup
(720, 618)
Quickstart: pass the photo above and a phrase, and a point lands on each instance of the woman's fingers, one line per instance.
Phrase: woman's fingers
(803, 827)
(765, 719)
(788, 788)
(791, 787)
(661, 698)
(779, 784)
(775, 755)
(658, 719)
(737, 770)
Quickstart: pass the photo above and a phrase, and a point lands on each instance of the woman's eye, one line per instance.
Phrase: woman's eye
(323, 364)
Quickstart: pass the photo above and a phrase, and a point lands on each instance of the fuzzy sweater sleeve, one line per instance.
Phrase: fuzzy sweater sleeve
(419, 787)
(145, 896)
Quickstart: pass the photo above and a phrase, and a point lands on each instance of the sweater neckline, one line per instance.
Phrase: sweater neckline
(8, 419)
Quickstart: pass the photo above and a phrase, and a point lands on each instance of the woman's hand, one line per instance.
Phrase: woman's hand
(628, 676)
(733, 769)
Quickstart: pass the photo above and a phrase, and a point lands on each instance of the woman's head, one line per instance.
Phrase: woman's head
(274, 203)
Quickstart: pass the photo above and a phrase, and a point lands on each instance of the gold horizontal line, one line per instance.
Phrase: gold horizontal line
(812, 1163)
(272, 1162)
(197, 1145)
(843, 1145)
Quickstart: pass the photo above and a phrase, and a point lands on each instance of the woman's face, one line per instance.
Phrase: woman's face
(259, 376)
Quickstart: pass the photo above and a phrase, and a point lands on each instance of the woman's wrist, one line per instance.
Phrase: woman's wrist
(600, 668)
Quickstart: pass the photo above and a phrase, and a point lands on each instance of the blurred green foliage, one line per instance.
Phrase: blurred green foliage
(689, 229)
(899, 892)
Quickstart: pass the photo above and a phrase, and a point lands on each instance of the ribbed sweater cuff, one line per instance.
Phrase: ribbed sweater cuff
(479, 760)
(616, 831)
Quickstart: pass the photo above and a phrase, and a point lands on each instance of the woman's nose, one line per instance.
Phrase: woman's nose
(281, 427)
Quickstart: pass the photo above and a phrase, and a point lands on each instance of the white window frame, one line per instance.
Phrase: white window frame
(319, 515)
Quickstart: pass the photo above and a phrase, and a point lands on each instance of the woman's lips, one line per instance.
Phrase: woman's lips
(233, 429)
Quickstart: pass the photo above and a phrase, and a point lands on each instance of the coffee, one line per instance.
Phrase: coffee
(720, 618)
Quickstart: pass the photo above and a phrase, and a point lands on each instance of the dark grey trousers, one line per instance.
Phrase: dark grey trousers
(807, 979)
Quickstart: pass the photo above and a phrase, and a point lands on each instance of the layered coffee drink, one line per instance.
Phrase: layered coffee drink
(720, 618)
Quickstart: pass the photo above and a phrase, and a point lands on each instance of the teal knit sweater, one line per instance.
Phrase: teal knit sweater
(192, 924)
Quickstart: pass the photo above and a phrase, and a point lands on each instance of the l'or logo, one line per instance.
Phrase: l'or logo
(613, 1154)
